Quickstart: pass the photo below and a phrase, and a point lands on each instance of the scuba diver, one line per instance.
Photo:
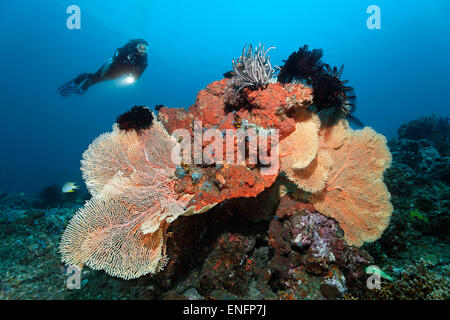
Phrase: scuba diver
(129, 60)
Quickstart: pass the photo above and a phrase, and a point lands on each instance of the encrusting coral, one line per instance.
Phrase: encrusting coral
(214, 184)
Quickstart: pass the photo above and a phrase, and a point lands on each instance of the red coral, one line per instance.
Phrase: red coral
(176, 118)
(269, 106)
(266, 109)
(236, 181)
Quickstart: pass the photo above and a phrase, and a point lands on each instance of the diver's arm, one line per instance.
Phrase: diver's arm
(140, 68)
(120, 55)
(138, 72)
(124, 52)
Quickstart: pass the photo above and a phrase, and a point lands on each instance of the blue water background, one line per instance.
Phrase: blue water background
(399, 72)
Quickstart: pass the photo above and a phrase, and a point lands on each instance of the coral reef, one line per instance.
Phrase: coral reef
(312, 259)
(432, 128)
(419, 183)
(214, 184)
(272, 248)
(139, 188)
(307, 229)
(418, 281)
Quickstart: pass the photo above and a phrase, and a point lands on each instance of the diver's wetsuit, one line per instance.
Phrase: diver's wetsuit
(127, 60)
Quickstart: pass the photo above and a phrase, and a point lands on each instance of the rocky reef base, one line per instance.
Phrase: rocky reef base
(273, 246)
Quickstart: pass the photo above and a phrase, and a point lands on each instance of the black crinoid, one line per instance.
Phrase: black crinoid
(138, 118)
(159, 107)
(302, 65)
(229, 74)
(333, 99)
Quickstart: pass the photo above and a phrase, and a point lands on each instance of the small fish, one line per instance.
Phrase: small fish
(416, 214)
(69, 187)
(381, 273)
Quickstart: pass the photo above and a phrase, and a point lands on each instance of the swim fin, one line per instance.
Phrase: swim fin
(78, 86)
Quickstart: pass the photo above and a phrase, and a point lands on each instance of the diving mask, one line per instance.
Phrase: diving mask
(142, 48)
